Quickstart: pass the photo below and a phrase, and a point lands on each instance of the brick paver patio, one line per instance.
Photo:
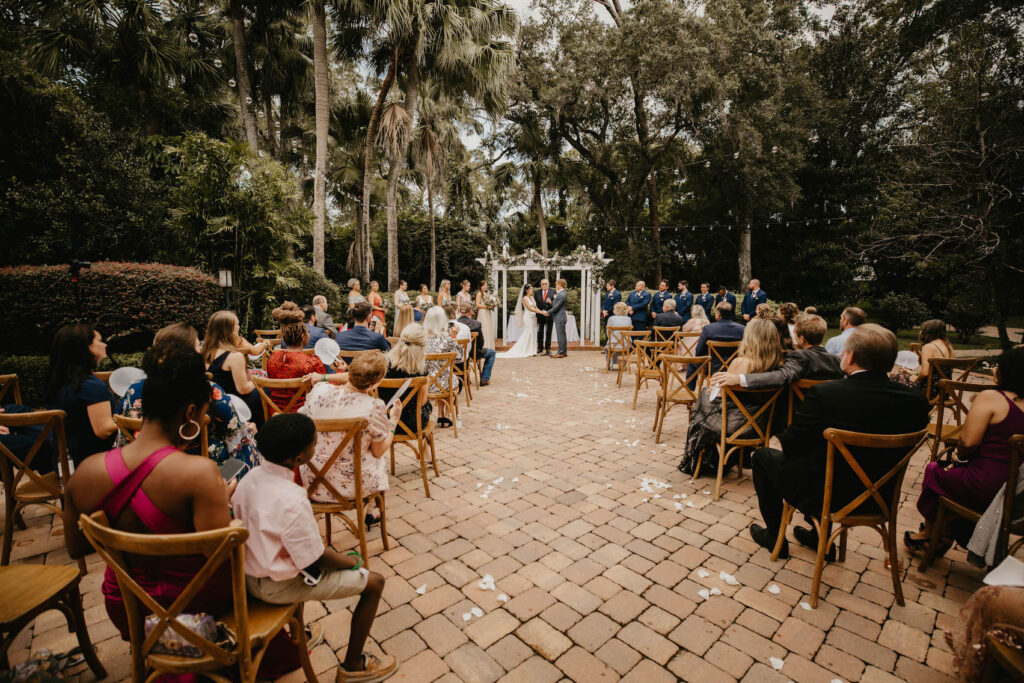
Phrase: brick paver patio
(595, 579)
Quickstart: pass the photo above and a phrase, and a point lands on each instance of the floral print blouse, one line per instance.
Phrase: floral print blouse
(230, 437)
(329, 402)
(442, 344)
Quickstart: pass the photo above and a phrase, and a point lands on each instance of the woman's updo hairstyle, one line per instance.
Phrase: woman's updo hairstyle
(292, 320)
(175, 379)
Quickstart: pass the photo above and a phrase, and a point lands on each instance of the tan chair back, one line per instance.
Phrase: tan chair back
(462, 367)
(665, 333)
(435, 388)
(754, 432)
(648, 367)
(271, 337)
(128, 426)
(956, 369)
(349, 356)
(617, 342)
(723, 352)
(628, 360)
(264, 385)
(686, 343)
(475, 361)
(218, 546)
(393, 340)
(916, 348)
(9, 384)
(951, 397)
(417, 436)
(676, 387)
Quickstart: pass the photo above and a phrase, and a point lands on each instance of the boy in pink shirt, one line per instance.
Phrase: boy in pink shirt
(285, 558)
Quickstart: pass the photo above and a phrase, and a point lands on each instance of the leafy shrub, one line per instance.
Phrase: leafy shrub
(122, 300)
(300, 283)
(897, 311)
(967, 312)
(31, 372)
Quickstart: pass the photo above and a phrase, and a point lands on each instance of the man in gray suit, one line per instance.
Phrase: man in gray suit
(557, 313)
(808, 361)
(323, 319)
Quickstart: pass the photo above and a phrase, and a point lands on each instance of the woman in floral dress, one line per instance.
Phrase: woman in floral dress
(329, 402)
(229, 435)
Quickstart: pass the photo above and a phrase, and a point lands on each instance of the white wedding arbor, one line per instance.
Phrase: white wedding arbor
(590, 265)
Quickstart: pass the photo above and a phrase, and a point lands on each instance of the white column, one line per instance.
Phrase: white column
(504, 304)
(584, 306)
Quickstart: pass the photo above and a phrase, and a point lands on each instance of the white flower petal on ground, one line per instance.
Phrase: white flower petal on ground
(806, 606)
(703, 573)
(466, 616)
(728, 578)
(704, 593)
(716, 591)
(502, 598)
(422, 589)
(776, 663)
(477, 612)
(774, 590)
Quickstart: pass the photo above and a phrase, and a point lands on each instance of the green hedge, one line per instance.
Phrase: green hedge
(123, 300)
(31, 372)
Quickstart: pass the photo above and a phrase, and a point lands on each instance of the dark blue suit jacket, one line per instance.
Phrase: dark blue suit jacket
(610, 299)
(684, 302)
(315, 335)
(750, 302)
(707, 302)
(721, 330)
(729, 296)
(659, 299)
(639, 301)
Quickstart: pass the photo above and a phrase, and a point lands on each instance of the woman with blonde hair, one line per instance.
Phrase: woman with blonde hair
(444, 293)
(441, 339)
(698, 319)
(406, 314)
(224, 354)
(759, 351)
(934, 344)
(463, 296)
(377, 304)
(408, 358)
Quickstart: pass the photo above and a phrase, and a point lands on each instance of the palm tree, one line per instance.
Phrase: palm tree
(321, 80)
(242, 71)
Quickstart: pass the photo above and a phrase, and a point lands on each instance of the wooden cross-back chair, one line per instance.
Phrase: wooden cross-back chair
(648, 369)
(676, 387)
(462, 368)
(665, 333)
(129, 427)
(271, 337)
(9, 385)
(754, 432)
(300, 388)
(417, 436)
(882, 520)
(348, 356)
(723, 352)
(948, 506)
(951, 398)
(252, 623)
(23, 486)
(797, 390)
(939, 369)
(617, 343)
(916, 348)
(351, 431)
(686, 343)
(1002, 658)
(474, 364)
(436, 391)
(628, 359)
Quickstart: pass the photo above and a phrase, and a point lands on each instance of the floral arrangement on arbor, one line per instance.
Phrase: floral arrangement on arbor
(580, 256)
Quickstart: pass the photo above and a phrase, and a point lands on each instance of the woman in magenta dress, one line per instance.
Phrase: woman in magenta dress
(995, 416)
(151, 486)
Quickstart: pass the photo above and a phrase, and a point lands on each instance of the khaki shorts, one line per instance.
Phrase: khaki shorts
(334, 584)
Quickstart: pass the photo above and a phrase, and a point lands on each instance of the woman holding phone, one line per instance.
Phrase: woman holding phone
(408, 358)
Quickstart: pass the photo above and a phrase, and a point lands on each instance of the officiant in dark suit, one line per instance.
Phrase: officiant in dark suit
(544, 296)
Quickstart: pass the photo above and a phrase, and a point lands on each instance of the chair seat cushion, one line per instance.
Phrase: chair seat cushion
(25, 587)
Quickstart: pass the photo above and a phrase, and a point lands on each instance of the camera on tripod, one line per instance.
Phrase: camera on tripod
(76, 267)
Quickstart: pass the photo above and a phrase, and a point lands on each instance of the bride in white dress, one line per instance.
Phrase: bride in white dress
(526, 315)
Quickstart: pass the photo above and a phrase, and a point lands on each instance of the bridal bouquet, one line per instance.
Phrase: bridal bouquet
(490, 300)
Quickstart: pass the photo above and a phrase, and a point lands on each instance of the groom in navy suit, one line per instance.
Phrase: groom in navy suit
(751, 300)
(636, 305)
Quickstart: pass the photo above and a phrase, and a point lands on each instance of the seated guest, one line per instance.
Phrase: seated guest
(934, 344)
(329, 402)
(866, 401)
(619, 318)
(151, 486)
(284, 547)
(848, 321)
(291, 362)
(229, 435)
(759, 352)
(452, 311)
(404, 316)
(990, 610)
(783, 329)
(323, 319)
(315, 333)
(789, 312)
(668, 316)
(763, 311)
(21, 440)
(226, 361)
(408, 358)
(723, 329)
(360, 337)
(441, 339)
(808, 361)
(480, 351)
(698, 319)
(72, 387)
(994, 416)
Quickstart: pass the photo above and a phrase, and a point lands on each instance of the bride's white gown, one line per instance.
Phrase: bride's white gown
(526, 345)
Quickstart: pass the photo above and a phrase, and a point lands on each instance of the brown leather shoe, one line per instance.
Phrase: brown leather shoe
(484, 382)
(558, 355)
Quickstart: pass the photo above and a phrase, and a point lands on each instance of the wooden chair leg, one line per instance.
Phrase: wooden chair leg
(721, 472)
(660, 419)
(787, 516)
(327, 527)
(933, 542)
(383, 520)
(361, 532)
(73, 601)
(421, 456)
(8, 529)
(636, 390)
(433, 456)
(819, 562)
(455, 416)
(842, 546)
(894, 562)
(392, 459)
(297, 626)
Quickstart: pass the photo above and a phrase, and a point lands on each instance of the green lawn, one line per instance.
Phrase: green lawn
(978, 341)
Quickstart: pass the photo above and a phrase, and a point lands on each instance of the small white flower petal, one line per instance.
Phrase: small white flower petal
(466, 616)
(476, 612)
(776, 663)
(806, 606)
(422, 589)
(703, 573)
(774, 590)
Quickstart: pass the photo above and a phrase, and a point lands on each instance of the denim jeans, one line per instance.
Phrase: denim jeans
(488, 356)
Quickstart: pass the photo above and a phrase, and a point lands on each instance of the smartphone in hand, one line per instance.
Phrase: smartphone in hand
(231, 468)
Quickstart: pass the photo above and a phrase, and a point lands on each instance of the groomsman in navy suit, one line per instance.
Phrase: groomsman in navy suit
(725, 295)
(659, 298)
(752, 298)
(610, 299)
(706, 299)
(636, 306)
(684, 301)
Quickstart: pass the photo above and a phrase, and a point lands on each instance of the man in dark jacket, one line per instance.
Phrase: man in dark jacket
(866, 401)
(668, 316)
(723, 329)
(482, 352)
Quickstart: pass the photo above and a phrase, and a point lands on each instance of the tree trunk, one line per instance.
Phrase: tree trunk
(655, 225)
(396, 166)
(744, 255)
(321, 81)
(272, 143)
(433, 236)
(242, 67)
(538, 209)
(365, 267)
